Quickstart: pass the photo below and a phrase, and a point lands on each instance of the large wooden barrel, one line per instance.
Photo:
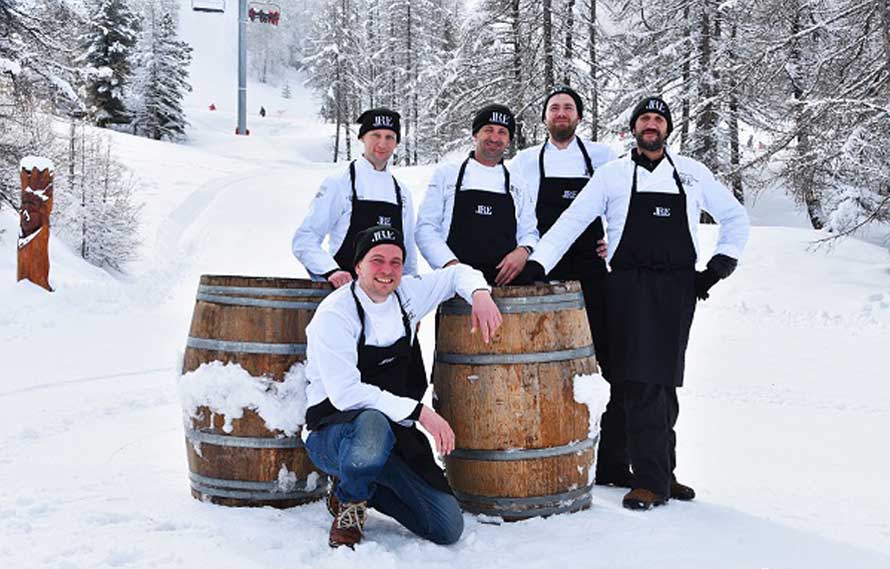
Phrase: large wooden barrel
(260, 324)
(522, 442)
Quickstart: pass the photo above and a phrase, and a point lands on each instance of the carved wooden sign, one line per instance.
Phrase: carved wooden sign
(37, 203)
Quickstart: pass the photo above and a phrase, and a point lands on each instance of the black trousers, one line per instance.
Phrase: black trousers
(651, 414)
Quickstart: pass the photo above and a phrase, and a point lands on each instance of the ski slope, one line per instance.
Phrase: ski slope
(785, 409)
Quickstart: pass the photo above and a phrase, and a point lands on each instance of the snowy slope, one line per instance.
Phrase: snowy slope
(781, 431)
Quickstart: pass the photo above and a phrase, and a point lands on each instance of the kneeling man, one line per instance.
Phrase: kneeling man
(365, 387)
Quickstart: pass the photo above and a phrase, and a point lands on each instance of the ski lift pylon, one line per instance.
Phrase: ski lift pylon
(218, 6)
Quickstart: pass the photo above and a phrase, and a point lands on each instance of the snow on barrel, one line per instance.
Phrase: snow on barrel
(523, 446)
(244, 419)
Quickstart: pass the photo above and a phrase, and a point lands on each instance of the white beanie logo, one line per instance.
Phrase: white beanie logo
(656, 105)
(500, 118)
(383, 235)
(382, 121)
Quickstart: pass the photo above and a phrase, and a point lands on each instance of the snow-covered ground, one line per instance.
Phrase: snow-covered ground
(783, 419)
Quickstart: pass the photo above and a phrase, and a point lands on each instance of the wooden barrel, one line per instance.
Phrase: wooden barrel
(260, 324)
(522, 442)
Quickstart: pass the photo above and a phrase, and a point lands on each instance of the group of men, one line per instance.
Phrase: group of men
(485, 223)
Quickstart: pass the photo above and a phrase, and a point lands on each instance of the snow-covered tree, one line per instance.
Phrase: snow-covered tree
(160, 81)
(96, 212)
(107, 44)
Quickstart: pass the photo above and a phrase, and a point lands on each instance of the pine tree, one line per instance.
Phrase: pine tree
(107, 43)
(286, 92)
(161, 79)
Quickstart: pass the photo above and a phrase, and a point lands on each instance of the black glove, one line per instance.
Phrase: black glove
(719, 267)
(704, 280)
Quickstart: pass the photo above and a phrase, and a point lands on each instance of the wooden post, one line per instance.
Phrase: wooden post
(37, 202)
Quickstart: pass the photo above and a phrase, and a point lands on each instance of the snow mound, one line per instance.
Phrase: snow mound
(592, 390)
(227, 390)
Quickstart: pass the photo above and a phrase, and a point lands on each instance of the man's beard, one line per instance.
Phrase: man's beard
(652, 145)
(561, 133)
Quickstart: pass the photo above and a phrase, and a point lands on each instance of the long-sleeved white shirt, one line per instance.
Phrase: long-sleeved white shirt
(608, 194)
(434, 215)
(559, 163)
(331, 211)
(333, 334)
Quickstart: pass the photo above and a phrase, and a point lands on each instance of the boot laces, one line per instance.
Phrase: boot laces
(352, 516)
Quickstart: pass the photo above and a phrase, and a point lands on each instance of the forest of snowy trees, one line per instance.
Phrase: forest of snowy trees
(788, 92)
(108, 63)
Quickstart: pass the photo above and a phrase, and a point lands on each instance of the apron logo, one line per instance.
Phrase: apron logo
(383, 220)
(484, 210)
(382, 121)
(662, 211)
(386, 361)
(569, 194)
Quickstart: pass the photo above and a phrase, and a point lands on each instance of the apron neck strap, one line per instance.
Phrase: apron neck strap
(463, 169)
(355, 195)
(677, 180)
(361, 315)
(588, 165)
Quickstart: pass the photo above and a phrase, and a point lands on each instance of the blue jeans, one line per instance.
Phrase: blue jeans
(359, 453)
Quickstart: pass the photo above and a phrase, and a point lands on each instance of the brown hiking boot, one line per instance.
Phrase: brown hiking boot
(348, 524)
(642, 499)
(332, 502)
(681, 492)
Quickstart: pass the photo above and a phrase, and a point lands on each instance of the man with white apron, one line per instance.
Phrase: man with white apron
(480, 213)
(365, 194)
(365, 387)
(555, 172)
(651, 202)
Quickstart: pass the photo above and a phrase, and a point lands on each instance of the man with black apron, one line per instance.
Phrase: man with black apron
(480, 213)
(365, 194)
(651, 202)
(555, 172)
(365, 387)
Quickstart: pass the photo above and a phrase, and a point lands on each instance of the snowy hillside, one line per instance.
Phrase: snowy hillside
(783, 417)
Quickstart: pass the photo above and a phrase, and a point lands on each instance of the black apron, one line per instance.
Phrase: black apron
(365, 214)
(580, 263)
(396, 368)
(555, 195)
(483, 225)
(651, 289)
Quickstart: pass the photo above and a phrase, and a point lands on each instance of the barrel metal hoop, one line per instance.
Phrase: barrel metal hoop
(252, 490)
(540, 505)
(528, 358)
(264, 291)
(550, 303)
(258, 302)
(198, 436)
(522, 453)
(246, 347)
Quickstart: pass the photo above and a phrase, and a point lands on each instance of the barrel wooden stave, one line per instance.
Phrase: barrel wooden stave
(219, 469)
(540, 477)
(528, 405)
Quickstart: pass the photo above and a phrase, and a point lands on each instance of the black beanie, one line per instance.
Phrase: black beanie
(374, 119)
(377, 235)
(495, 114)
(652, 105)
(564, 90)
